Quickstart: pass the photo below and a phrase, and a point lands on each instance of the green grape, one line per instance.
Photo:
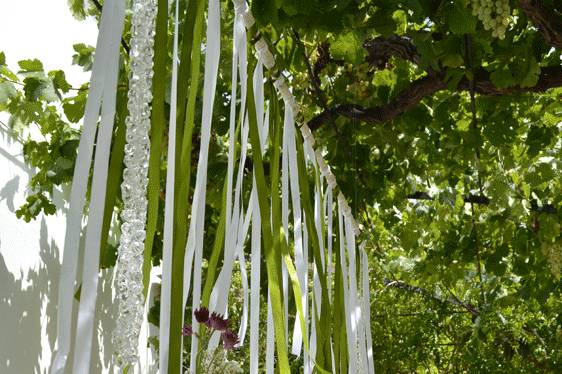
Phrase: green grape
(494, 15)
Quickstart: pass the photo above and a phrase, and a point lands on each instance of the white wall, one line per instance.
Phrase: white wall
(30, 253)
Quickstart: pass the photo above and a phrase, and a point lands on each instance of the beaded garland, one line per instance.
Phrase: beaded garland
(135, 178)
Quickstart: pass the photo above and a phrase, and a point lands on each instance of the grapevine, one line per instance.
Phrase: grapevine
(494, 14)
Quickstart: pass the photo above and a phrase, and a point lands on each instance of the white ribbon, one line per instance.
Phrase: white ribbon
(255, 284)
(194, 247)
(165, 299)
(270, 332)
(351, 337)
(79, 187)
(88, 295)
(328, 213)
(354, 305)
(307, 358)
(233, 213)
(367, 308)
(289, 147)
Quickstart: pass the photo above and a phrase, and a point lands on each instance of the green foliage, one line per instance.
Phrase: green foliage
(347, 47)
(485, 277)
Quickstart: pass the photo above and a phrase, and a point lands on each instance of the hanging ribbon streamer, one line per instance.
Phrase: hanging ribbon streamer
(194, 247)
(165, 300)
(311, 218)
(104, 60)
(88, 295)
(366, 307)
(300, 263)
(129, 277)
(351, 339)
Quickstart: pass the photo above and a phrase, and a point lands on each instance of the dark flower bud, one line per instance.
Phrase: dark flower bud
(202, 315)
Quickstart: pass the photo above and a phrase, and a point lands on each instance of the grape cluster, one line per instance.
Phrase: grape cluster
(494, 14)
(553, 254)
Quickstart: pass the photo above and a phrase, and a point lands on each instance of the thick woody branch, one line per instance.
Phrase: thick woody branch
(381, 49)
(548, 21)
(550, 77)
(483, 200)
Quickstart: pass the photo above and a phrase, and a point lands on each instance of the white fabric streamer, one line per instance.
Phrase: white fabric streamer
(88, 295)
(367, 307)
(351, 336)
(269, 344)
(102, 59)
(328, 213)
(194, 247)
(255, 284)
(289, 147)
(354, 305)
(165, 300)
(306, 356)
(239, 63)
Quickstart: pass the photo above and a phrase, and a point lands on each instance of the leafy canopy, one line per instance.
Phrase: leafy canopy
(445, 136)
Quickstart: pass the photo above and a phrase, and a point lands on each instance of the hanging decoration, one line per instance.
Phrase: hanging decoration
(294, 220)
(102, 95)
(129, 276)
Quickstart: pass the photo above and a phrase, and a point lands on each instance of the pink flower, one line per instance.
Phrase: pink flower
(229, 339)
(187, 330)
(217, 322)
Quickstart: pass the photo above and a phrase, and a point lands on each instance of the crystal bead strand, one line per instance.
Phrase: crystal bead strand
(135, 177)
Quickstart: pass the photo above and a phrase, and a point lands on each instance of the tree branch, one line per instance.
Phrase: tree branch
(473, 310)
(483, 200)
(381, 49)
(550, 77)
(548, 21)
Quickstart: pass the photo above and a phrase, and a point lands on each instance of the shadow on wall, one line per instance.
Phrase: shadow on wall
(24, 324)
(29, 292)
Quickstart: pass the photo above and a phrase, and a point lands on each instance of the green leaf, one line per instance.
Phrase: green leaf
(502, 77)
(74, 108)
(2, 58)
(77, 9)
(460, 19)
(30, 65)
(526, 71)
(452, 60)
(84, 56)
(265, 11)
(39, 89)
(59, 80)
(7, 91)
(347, 47)
(453, 77)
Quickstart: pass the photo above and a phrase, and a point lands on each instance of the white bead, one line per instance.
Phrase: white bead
(249, 20)
(239, 3)
(331, 179)
(267, 58)
(356, 228)
(295, 107)
(279, 82)
(261, 44)
(320, 161)
(341, 199)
